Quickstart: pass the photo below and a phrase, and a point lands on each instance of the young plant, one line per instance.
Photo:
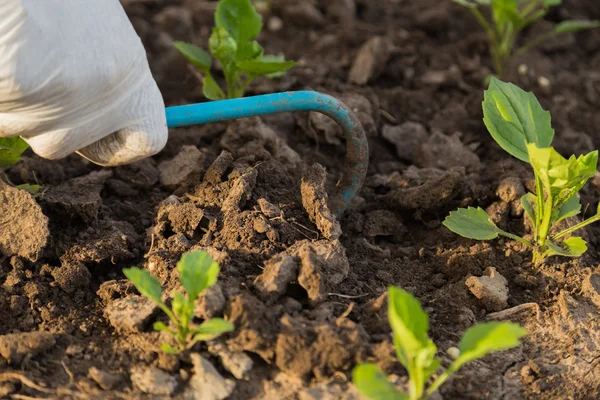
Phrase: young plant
(522, 128)
(510, 17)
(232, 43)
(416, 351)
(11, 150)
(197, 272)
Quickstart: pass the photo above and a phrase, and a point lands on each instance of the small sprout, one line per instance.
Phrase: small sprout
(510, 17)
(197, 272)
(417, 352)
(232, 43)
(522, 128)
(11, 150)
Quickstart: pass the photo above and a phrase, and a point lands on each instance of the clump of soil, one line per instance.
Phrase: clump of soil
(306, 292)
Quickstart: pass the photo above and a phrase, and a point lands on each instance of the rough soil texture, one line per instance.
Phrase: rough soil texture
(307, 302)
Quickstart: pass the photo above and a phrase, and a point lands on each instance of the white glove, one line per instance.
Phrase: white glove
(74, 77)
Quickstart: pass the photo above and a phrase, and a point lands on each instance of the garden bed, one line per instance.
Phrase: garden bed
(245, 192)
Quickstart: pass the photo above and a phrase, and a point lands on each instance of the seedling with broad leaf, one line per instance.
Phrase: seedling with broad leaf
(510, 17)
(232, 44)
(11, 150)
(417, 352)
(522, 128)
(197, 272)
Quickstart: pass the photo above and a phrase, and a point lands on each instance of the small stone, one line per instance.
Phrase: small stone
(71, 277)
(207, 383)
(180, 169)
(106, 380)
(16, 346)
(153, 381)
(407, 138)
(491, 289)
(370, 61)
(510, 189)
(274, 24)
(130, 314)
(238, 363)
(453, 352)
(210, 303)
(523, 69)
(544, 82)
(278, 273)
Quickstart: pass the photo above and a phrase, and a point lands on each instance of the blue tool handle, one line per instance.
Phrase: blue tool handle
(357, 150)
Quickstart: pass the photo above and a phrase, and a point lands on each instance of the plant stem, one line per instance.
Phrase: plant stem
(438, 382)
(517, 238)
(576, 227)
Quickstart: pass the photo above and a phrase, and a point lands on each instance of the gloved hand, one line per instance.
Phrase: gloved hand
(74, 77)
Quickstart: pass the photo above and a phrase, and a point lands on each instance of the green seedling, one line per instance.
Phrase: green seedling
(11, 150)
(510, 17)
(522, 128)
(232, 43)
(417, 352)
(197, 272)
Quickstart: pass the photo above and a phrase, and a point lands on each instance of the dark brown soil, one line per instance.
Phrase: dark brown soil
(306, 302)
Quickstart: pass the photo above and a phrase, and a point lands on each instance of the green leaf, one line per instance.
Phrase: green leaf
(211, 89)
(265, 67)
(248, 51)
(197, 272)
(472, 223)
(145, 283)
(180, 306)
(11, 150)
(239, 18)
(465, 3)
(195, 55)
(485, 338)
(575, 26)
(409, 323)
(161, 327)
(569, 209)
(514, 118)
(372, 383)
(529, 202)
(222, 45)
(33, 189)
(551, 3)
(561, 178)
(166, 348)
(212, 329)
(571, 247)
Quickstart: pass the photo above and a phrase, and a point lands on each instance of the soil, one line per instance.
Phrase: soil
(306, 293)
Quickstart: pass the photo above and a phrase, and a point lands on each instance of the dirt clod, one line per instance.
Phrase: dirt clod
(314, 200)
(23, 226)
(510, 189)
(106, 380)
(207, 383)
(491, 289)
(370, 60)
(130, 314)
(186, 165)
(383, 223)
(407, 137)
(238, 363)
(445, 152)
(153, 381)
(278, 273)
(71, 277)
(210, 303)
(15, 347)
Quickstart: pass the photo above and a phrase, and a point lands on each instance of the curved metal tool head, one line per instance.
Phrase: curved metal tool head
(357, 148)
